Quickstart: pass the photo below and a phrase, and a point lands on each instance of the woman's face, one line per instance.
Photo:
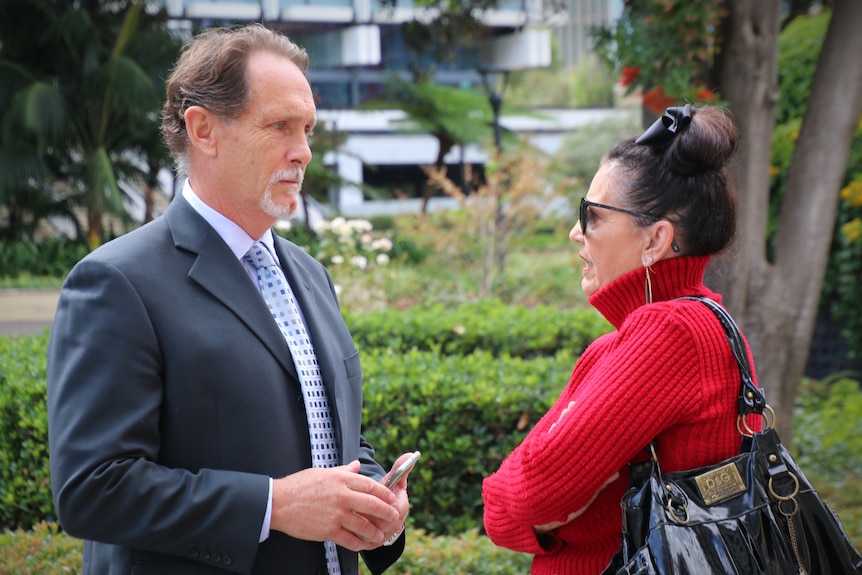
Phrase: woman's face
(613, 243)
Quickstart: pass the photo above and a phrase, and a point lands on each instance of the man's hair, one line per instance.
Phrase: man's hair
(211, 73)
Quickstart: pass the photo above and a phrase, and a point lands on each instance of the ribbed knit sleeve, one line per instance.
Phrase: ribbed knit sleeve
(618, 404)
(667, 373)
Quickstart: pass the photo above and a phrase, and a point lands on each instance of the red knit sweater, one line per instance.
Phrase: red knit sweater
(666, 372)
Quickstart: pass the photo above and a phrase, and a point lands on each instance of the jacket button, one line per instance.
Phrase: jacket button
(216, 557)
(194, 553)
(226, 559)
(205, 554)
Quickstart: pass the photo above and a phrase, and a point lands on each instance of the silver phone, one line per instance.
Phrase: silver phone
(394, 476)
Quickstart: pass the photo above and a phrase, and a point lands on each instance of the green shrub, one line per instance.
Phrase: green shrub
(828, 445)
(828, 428)
(47, 551)
(53, 257)
(798, 51)
(488, 325)
(464, 413)
(42, 551)
(25, 490)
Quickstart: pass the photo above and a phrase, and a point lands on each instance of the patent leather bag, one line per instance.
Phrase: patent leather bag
(755, 513)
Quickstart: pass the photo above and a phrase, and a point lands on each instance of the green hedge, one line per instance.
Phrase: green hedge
(488, 325)
(25, 490)
(51, 257)
(464, 413)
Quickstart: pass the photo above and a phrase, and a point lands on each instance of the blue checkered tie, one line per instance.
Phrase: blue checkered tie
(279, 297)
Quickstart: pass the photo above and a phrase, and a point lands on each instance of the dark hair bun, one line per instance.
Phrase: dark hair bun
(706, 144)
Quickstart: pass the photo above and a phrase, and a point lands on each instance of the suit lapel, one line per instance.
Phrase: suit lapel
(218, 271)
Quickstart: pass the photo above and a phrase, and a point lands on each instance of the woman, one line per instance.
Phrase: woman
(657, 209)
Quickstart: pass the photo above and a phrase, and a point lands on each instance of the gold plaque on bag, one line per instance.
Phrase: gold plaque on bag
(720, 484)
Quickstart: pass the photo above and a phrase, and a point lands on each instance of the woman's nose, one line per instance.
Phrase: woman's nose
(577, 234)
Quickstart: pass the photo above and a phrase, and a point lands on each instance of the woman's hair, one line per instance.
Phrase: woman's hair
(211, 73)
(685, 178)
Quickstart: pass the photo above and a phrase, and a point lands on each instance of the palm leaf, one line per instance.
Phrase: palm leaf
(36, 114)
(13, 77)
(102, 181)
(18, 169)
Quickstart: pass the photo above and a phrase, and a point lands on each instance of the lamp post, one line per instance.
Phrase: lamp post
(496, 92)
(501, 55)
(527, 48)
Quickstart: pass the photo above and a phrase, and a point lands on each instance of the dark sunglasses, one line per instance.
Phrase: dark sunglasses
(585, 213)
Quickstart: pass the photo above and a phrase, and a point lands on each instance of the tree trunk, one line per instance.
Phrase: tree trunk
(749, 77)
(776, 303)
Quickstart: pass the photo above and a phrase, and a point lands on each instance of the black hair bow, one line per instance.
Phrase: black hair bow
(671, 123)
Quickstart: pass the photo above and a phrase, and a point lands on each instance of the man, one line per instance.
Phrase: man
(182, 429)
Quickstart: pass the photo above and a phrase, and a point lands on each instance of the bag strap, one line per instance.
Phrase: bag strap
(751, 398)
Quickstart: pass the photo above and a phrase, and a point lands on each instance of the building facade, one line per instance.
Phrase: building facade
(356, 45)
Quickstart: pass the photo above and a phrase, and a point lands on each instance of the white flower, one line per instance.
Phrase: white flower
(339, 226)
(360, 262)
(360, 226)
(283, 225)
(382, 244)
(336, 259)
(382, 259)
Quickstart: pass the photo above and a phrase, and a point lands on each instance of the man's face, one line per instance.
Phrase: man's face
(265, 150)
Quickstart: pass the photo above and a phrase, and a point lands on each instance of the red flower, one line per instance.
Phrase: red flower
(657, 101)
(629, 75)
(706, 94)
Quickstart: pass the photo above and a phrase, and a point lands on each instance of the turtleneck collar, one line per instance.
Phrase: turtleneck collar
(671, 278)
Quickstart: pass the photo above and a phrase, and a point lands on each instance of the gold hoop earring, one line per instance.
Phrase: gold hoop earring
(648, 286)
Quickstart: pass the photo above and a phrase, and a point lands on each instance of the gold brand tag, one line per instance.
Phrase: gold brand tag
(720, 484)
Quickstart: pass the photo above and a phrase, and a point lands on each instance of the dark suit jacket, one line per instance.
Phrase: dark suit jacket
(172, 398)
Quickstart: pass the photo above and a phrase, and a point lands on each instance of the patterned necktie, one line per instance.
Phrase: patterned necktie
(282, 304)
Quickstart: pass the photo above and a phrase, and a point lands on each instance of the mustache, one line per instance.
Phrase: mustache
(289, 174)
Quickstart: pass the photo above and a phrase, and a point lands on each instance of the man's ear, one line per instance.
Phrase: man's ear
(660, 242)
(202, 130)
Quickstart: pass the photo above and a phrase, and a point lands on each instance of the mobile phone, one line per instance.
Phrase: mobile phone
(394, 476)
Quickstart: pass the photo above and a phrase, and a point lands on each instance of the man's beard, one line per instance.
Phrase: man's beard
(282, 210)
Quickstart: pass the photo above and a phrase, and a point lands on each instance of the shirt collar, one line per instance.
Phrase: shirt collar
(234, 236)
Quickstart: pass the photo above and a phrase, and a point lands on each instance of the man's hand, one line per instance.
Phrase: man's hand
(337, 504)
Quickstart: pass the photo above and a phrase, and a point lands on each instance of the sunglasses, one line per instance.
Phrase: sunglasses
(585, 213)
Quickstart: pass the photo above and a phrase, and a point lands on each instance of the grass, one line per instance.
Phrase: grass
(27, 281)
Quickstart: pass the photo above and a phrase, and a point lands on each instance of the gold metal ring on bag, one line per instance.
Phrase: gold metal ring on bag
(768, 414)
(673, 514)
(785, 497)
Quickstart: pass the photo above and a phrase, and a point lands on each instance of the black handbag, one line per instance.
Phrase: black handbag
(755, 513)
